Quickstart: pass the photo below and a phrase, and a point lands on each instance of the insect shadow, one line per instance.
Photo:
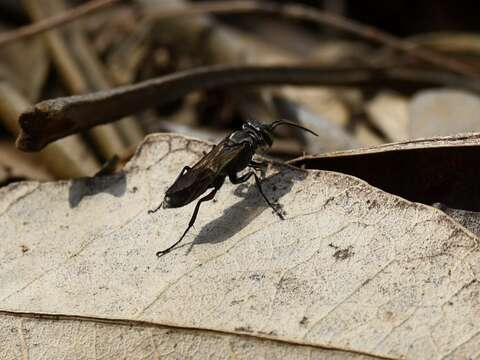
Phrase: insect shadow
(115, 185)
(239, 215)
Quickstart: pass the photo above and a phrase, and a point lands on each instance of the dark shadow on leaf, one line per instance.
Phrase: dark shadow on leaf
(444, 176)
(115, 185)
(449, 175)
(238, 216)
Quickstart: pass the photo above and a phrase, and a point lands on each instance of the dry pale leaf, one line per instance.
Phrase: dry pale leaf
(351, 267)
(331, 137)
(389, 112)
(322, 101)
(443, 112)
(95, 338)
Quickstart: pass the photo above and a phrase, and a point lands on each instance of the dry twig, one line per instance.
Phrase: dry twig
(55, 21)
(53, 119)
(64, 159)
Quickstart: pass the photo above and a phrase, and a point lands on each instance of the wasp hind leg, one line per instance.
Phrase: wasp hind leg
(207, 197)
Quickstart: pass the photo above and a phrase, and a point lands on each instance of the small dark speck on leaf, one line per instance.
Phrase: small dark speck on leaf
(304, 320)
(257, 277)
(342, 254)
(271, 333)
(134, 189)
(24, 248)
(371, 203)
(244, 329)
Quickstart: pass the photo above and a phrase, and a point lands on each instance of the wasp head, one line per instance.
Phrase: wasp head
(263, 133)
(260, 132)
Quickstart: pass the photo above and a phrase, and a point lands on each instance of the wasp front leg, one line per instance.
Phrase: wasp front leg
(258, 164)
(238, 180)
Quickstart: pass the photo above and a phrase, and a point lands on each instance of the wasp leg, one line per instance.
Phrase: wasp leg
(262, 166)
(237, 180)
(184, 170)
(234, 179)
(207, 197)
(257, 164)
(259, 187)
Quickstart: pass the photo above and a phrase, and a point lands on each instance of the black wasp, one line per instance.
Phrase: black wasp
(232, 155)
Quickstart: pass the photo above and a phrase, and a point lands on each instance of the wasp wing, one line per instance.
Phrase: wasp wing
(220, 157)
(204, 174)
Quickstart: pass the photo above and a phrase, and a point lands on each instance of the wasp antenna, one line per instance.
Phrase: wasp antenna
(283, 122)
